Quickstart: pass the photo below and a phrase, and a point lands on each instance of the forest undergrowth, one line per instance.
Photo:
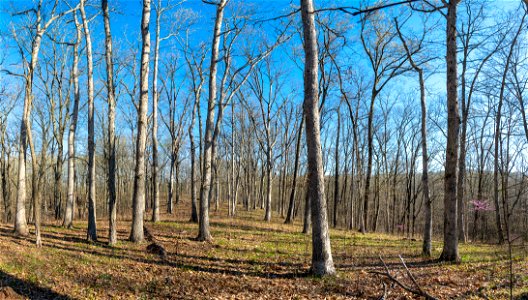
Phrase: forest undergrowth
(247, 259)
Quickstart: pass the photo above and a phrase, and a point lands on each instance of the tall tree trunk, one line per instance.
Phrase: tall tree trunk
(70, 202)
(155, 96)
(364, 225)
(450, 250)
(138, 198)
(336, 174)
(269, 183)
(428, 215)
(291, 206)
(20, 215)
(111, 181)
(322, 262)
(57, 185)
(500, 230)
(194, 213)
(428, 207)
(92, 227)
(204, 233)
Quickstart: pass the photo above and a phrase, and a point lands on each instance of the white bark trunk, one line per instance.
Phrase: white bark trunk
(138, 200)
(322, 262)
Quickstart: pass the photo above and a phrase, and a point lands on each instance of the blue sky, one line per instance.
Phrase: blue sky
(126, 17)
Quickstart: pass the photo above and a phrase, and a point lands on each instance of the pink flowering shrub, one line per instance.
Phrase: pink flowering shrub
(481, 205)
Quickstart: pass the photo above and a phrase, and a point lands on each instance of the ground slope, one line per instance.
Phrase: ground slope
(248, 259)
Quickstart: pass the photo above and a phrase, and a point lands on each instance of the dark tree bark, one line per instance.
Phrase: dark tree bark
(450, 249)
(336, 173)
(291, 206)
(428, 218)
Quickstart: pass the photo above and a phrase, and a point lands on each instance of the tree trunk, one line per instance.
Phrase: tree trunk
(428, 225)
(498, 136)
(70, 202)
(138, 198)
(57, 185)
(20, 215)
(291, 206)
(194, 213)
(111, 161)
(37, 173)
(155, 97)
(204, 233)
(450, 250)
(92, 227)
(370, 136)
(322, 262)
(336, 174)
(269, 183)
(307, 220)
(428, 218)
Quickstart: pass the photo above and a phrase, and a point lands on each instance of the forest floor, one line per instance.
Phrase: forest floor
(248, 259)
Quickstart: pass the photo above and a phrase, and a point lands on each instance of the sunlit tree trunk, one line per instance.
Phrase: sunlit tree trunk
(92, 227)
(322, 262)
(138, 198)
(204, 233)
(70, 202)
(155, 97)
(111, 161)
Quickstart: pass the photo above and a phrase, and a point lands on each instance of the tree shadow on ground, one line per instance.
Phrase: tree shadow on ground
(25, 289)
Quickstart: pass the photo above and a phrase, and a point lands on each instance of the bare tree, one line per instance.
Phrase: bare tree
(70, 201)
(111, 159)
(92, 226)
(428, 226)
(497, 134)
(204, 233)
(155, 99)
(40, 26)
(377, 40)
(195, 66)
(322, 262)
(450, 249)
(138, 198)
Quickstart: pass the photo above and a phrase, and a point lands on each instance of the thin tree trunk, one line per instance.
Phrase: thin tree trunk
(364, 225)
(204, 232)
(92, 227)
(112, 209)
(500, 230)
(194, 213)
(428, 215)
(291, 206)
(20, 215)
(336, 174)
(155, 96)
(269, 183)
(37, 173)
